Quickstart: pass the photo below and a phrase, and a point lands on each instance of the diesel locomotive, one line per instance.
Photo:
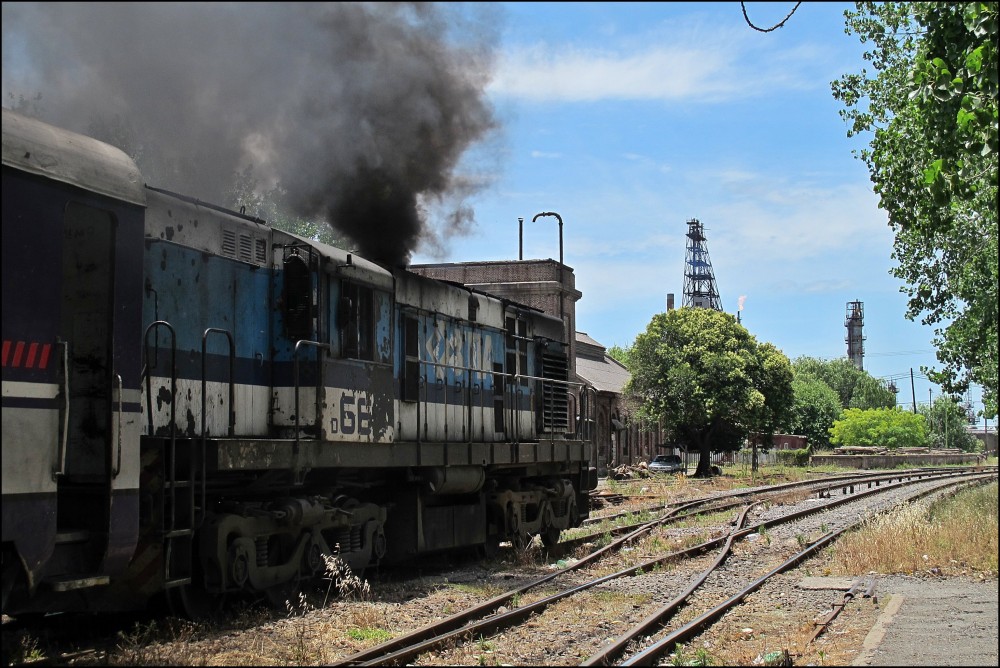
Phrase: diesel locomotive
(197, 404)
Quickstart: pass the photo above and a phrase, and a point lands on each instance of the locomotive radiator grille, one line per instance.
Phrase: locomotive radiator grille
(555, 397)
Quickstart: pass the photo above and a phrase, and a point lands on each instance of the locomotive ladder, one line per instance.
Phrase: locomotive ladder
(183, 502)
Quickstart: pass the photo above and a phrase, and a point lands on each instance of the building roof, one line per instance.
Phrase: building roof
(595, 366)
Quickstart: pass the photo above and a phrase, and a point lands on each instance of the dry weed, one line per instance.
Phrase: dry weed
(950, 537)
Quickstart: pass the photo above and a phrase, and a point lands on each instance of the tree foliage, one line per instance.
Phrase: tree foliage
(708, 381)
(931, 109)
(946, 422)
(620, 354)
(880, 427)
(245, 193)
(815, 408)
(855, 387)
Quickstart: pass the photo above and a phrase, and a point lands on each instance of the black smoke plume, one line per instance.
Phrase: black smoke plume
(359, 112)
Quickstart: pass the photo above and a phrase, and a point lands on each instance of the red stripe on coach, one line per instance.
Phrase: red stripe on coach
(44, 362)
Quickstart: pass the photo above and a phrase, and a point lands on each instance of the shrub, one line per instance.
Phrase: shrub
(886, 427)
(798, 457)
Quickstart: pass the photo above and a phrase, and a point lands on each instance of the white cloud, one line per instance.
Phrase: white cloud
(545, 154)
(712, 67)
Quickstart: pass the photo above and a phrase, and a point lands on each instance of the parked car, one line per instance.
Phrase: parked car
(667, 464)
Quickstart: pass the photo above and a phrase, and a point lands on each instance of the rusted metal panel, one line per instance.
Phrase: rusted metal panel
(268, 454)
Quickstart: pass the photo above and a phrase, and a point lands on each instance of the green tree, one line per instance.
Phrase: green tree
(880, 427)
(855, 387)
(947, 421)
(708, 381)
(931, 109)
(244, 192)
(620, 354)
(247, 195)
(815, 408)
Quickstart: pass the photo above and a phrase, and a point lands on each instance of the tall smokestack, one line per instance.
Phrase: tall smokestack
(670, 301)
(855, 340)
(356, 114)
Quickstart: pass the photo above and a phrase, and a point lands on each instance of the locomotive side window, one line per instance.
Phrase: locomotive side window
(410, 386)
(298, 301)
(517, 347)
(357, 322)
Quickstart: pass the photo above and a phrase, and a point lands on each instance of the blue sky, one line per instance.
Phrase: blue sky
(628, 119)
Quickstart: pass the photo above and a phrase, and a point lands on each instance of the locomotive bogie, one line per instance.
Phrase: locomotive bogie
(258, 546)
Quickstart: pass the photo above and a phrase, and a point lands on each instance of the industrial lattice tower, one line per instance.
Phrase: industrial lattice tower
(855, 340)
(699, 279)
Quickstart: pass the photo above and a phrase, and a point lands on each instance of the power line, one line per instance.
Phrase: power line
(775, 27)
(899, 353)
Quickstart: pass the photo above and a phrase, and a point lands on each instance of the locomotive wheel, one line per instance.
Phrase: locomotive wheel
(194, 603)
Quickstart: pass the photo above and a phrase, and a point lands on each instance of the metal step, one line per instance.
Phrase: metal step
(69, 583)
(74, 536)
(176, 582)
(178, 533)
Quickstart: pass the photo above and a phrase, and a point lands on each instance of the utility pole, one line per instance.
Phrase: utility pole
(913, 392)
(930, 409)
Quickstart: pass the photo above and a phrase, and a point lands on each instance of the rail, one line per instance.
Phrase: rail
(319, 381)
(173, 406)
(231, 431)
(487, 619)
(61, 455)
(117, 467)
(513, 391)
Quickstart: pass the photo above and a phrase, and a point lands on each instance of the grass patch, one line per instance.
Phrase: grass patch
(476, 589)
(952, 536)
(367, 635)
(620, 598)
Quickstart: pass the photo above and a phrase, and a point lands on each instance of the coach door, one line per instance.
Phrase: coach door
(89, 448)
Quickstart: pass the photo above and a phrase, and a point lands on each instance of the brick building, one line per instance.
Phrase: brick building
(542, 284)
(618, 437)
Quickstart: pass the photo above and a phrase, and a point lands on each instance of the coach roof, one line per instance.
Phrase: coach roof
(39, 148)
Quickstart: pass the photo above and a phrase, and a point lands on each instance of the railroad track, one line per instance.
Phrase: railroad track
(507, 611)
(620, 574)
(680, 510)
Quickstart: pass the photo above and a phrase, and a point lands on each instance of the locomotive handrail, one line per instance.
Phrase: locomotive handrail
(588, 395)
(116, 469)
(516, 392)
(232, 374)
(61, 455)
(204, 411)
(421, 384)
(173, 407)
(319, 380)
(443, 382)
(148, 375)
